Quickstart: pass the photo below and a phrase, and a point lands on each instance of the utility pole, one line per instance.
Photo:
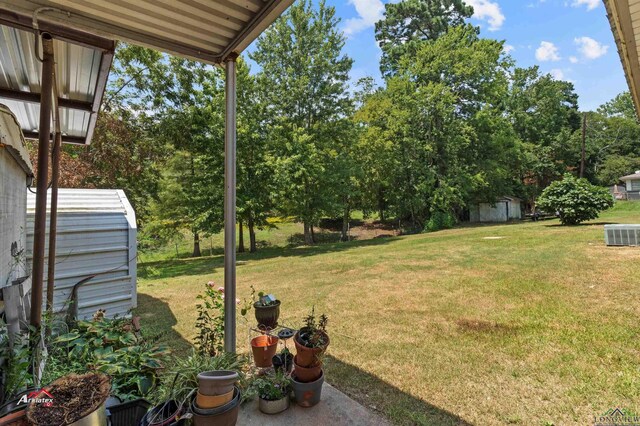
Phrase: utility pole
(584, 138)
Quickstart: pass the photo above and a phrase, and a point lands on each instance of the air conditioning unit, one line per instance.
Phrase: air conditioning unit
(622, 235)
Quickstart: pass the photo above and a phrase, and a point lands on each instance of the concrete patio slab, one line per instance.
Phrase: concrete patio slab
(335, 409)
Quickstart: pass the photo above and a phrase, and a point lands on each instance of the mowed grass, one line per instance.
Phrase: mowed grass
(539, 326)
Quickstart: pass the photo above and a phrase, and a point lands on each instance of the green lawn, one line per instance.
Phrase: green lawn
(539, 326)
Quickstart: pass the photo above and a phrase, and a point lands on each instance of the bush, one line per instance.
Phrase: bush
(575, 200)
(440, 220)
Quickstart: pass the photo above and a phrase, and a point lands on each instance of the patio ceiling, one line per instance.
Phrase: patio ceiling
(624, 16)
(84, 33)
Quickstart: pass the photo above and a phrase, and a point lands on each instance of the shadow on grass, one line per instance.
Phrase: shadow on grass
(198, 266)
(556, 225)
(398, 406)
(157, 321)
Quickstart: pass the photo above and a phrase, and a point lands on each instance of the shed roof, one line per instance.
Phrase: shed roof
(634, 176)
(72, 200)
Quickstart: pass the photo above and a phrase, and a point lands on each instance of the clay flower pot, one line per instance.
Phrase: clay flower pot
(213, 401)
(264, 348)
(219, 382)
(273, 407)
(307, 394)
(307, 374)
(308, 357)
(267, 316)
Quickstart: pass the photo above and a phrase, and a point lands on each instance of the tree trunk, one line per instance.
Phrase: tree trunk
(308, 237)
(345, 225)
(381, 204)
(240, 236)
(252, 235)
(196, 244)
(313, 235)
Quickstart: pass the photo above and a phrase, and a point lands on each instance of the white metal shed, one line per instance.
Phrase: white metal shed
(96, 237)
(504, 210)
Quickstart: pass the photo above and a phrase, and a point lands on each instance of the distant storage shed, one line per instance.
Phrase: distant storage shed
(96, 238)
(504, 210)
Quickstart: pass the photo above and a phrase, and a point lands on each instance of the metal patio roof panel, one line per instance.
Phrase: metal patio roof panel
(624, 17)
(77, 71)
(206, 30)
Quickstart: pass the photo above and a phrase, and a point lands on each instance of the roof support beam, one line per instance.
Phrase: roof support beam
(40, 218)
(18, 95)
(230, 207)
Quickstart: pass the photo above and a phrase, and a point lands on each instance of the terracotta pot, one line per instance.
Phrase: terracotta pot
(273, 407)
(213, 401)
(307, 374)
(267, 316)
(264, 348)
(15, 418)
(308, 357)
(307, 394)
(219, 382)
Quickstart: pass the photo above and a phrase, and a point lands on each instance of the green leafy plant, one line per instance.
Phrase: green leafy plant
(575, 200)
(271, 387)
(113, 347)
(257, 299)
(179, 381)
(16, 360)
(210, 321)
(314, 332)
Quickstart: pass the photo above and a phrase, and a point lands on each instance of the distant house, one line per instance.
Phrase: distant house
(504, 210)
(632, 183)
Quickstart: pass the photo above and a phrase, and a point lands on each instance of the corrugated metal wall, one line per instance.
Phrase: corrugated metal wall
(96, 236)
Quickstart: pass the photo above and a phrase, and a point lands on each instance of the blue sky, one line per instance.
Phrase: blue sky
(569, 38)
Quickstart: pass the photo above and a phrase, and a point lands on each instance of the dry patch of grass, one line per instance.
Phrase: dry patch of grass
(538, 327)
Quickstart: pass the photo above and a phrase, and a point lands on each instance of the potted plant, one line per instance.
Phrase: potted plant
(273, 392)
(70, 399)
(267, 309)
(264, 348)
(307, 394)
(311, 341)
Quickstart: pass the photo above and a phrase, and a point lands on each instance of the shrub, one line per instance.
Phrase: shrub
(440, 220)
(575, 200)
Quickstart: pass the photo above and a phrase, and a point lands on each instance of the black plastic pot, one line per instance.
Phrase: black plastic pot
(267, 316)
(283, 362)
(164, 414)
(128, 413)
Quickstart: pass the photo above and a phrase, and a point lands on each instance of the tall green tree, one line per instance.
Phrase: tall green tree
(255, 169)
(409, 22)
(304, 74)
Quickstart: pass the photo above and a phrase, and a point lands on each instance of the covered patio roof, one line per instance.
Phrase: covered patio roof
(624, 16)
(78, 40)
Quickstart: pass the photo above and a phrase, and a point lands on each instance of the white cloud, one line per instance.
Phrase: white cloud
(508, 48)
(573, 59)
(557, 73)
(591, 4)
(547, 52)
(589, 48)
(369, 12)
(487, 10)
